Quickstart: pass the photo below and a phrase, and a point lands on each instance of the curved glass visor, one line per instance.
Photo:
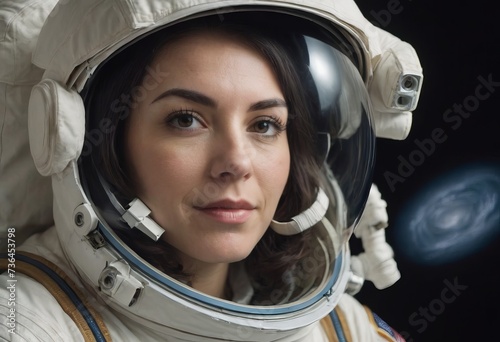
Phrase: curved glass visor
(344, 118)
(339, 108)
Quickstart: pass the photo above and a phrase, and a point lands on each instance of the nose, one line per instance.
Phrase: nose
(232, 157)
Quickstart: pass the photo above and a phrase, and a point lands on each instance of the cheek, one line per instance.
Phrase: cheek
(274, 173)
(163, 173)
(281, 172)
(283, 164)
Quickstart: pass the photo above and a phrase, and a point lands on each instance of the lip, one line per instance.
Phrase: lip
(228, 211)
(229, 204)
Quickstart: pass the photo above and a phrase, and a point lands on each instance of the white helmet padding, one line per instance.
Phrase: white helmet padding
(25, 196)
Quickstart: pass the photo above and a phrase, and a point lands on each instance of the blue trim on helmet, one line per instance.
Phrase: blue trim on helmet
(230, 306)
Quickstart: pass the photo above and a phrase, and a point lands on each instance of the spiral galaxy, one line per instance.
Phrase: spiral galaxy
(451, 217)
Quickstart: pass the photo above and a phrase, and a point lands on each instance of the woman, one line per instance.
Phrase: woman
(212, 192)
(272, 154)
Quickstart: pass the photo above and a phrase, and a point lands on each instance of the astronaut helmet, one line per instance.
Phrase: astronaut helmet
(97, 57)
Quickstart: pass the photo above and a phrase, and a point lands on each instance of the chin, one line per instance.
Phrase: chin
(220, 248)
(225, 254)
(227, 258)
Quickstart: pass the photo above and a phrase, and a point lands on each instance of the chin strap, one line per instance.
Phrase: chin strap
(305, 219)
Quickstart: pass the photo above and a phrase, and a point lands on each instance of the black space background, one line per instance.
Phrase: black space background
(456, 43)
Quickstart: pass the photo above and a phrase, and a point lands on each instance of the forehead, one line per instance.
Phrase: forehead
(202, 58)
(199, 43)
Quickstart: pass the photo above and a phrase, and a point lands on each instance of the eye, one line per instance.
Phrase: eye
(268, 126)
(263, 126)
(184, 120)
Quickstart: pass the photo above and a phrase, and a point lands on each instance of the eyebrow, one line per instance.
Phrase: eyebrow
(190, 95)
(268, 104)
(194, 96)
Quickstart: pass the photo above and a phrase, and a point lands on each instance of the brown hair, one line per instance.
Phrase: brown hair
(110, 98)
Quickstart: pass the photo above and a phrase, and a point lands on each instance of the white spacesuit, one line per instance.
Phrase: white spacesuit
(78, 280)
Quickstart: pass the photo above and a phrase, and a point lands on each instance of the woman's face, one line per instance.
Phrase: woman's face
(207, 146)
